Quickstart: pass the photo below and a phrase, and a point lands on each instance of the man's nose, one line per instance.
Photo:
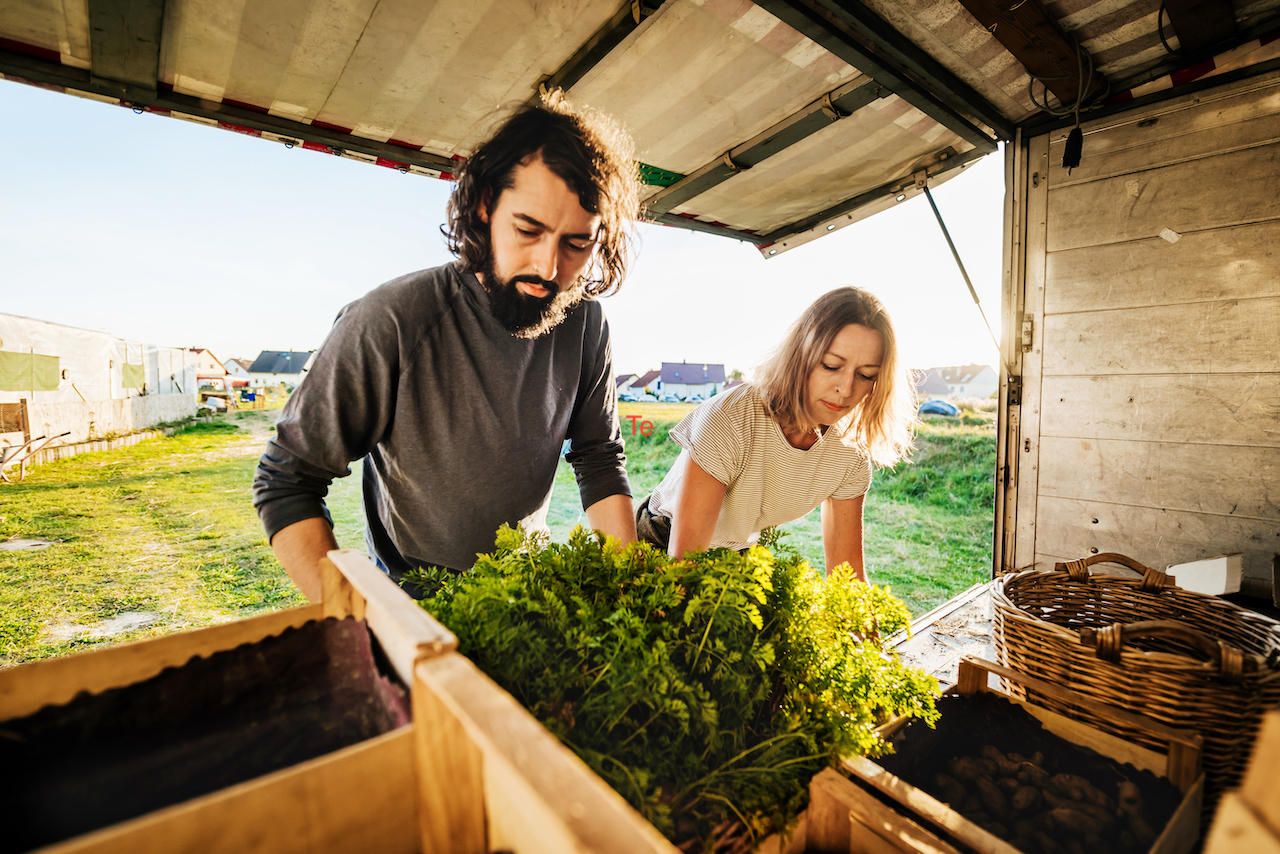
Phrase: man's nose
(545, 255)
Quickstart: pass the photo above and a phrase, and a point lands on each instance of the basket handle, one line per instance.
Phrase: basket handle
(1153, 580)
(1230, 661)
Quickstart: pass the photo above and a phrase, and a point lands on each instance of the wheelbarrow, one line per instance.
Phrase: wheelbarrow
(19, 454)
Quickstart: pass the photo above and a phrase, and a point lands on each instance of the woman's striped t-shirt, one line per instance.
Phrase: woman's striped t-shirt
(768, 481)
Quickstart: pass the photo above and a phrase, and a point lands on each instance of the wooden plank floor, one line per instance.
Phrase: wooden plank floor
(939, 639)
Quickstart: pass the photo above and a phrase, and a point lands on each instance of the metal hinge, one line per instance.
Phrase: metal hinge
(1015, 391)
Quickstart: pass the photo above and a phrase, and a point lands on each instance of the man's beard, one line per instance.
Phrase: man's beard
(523, 315)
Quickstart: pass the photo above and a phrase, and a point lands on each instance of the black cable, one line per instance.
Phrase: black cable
(1160, 32)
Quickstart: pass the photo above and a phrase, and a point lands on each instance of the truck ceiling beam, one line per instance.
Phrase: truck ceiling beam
(124, 40)
(74, 80)
(1034, 38)
(834, 26)
(601, 44)
(841, 102)
(894, 187)
(1201, 24)
(678, 221)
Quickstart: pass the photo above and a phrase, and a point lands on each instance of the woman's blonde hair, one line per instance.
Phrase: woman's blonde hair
(882, 423)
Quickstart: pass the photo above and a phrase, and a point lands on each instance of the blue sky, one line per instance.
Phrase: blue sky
(177, 234)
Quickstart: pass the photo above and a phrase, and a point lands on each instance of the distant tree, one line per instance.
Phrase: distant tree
(735, 374)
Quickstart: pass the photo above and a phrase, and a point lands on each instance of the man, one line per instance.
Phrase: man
(458, 385)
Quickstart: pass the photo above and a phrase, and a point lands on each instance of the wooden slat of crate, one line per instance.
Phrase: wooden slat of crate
(27, 688)
(353, 586)
(1261, 785)
(354, 800)
(492, 778)
(1180, 765)
(1237, 829)
(844, 818)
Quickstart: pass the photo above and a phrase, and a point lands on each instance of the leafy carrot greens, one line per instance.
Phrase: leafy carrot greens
(703, 689)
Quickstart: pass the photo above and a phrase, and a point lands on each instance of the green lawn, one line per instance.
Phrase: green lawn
(161, 536)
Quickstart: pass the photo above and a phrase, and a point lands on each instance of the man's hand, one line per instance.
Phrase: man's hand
(613, 515)
(300, 546)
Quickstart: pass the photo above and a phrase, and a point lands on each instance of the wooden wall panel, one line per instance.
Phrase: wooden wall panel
(1228, 263)
(1211, 192)
(1223, 336)
(1217, 479)
(1220, 409)
(1192, 126)
(1153, 536)
(1159, 396)
(1024, 456)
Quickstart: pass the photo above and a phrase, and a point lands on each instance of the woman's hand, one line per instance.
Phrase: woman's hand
(696, 510)
(842, 534)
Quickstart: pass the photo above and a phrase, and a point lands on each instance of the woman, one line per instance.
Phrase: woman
(831, 400)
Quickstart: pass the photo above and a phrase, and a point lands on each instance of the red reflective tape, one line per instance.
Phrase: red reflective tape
(1120, 97)
(244, 105)
(239, 129)
(1268, 39)
(688, 215)
(766, 245)
(316, 146)
(1196, 71)
(31, 50)
(391, 164)
(448, 176)
(319, 124)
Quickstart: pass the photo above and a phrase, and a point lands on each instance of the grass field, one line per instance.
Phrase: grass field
(161, 536)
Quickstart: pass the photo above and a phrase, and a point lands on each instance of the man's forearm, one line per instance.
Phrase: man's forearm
(299, 548)
(615, 516)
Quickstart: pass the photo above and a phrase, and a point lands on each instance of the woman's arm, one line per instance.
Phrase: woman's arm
(696, 510)
(842, 534)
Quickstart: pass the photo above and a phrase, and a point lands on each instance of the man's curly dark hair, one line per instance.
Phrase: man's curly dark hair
(585, 149)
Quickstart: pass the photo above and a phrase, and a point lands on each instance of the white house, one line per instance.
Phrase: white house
(685, 379)
(930, 382)
(969, 380)
(273, 367)
(646, 383)
(209, 370)
(238, 371)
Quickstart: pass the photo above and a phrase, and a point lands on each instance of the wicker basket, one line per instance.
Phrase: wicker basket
(1144, 645)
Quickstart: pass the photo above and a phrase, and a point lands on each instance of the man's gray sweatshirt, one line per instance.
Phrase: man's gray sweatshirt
(459, 422)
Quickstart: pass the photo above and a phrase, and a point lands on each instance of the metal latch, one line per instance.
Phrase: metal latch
(1015, 391)
(1028, 324)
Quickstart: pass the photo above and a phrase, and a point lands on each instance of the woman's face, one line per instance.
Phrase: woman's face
(845, 374)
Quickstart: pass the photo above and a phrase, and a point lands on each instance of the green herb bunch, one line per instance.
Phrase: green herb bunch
(704, 689)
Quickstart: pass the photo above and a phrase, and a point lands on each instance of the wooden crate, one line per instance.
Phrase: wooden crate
(875, 812)
(1248, 819)
(474, 772)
